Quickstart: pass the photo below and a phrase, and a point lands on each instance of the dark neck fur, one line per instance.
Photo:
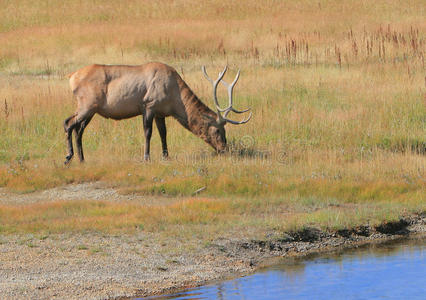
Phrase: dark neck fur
(198, 115)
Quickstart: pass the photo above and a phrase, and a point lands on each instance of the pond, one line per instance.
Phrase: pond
(393, 270)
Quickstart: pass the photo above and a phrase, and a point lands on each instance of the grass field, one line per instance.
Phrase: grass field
(337, 89)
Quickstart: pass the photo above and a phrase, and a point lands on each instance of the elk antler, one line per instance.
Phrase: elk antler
(230, 92)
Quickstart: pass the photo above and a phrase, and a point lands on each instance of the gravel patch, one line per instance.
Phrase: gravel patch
(81, 191)
(89, 191)
(92, 266)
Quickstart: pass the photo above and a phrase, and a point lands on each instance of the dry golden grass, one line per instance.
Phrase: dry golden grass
(337, 90)
(224, 217)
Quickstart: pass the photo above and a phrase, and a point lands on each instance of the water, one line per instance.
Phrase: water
(395, 270)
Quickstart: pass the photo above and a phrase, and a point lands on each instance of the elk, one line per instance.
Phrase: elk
(153, 90)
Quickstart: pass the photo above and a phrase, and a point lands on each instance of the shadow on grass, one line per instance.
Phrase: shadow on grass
(246, 148)
(401, 145)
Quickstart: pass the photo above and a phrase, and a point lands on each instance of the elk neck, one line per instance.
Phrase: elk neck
(197, 115)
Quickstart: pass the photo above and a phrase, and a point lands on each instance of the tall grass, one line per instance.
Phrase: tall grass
(337, 90)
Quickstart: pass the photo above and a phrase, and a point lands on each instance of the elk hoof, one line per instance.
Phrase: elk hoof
(67, 160)
(146, 157)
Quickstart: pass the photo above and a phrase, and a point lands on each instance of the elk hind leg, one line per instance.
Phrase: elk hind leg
(77, 123)
(69, 125)
(148, 118)
(79, 129)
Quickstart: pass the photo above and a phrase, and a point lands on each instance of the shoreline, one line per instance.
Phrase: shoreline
(268, 253)
(96, 266)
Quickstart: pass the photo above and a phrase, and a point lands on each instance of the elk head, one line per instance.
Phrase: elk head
(216, 135)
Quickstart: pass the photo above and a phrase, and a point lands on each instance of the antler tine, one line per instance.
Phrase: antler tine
(205, 74)
(215, 83)
(236, 122)
(240, 111)
(231, 88)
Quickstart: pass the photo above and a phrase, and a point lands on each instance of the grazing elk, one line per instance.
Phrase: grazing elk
(153, 90)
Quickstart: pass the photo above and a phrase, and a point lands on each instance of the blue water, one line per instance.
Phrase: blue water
(388, 271)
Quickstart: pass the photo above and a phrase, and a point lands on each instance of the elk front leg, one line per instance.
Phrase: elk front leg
(161, 126)
(148, 118)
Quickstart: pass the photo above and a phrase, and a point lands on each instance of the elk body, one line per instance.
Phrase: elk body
(153, 90)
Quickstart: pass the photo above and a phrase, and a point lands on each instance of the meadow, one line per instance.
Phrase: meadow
(337, 138)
